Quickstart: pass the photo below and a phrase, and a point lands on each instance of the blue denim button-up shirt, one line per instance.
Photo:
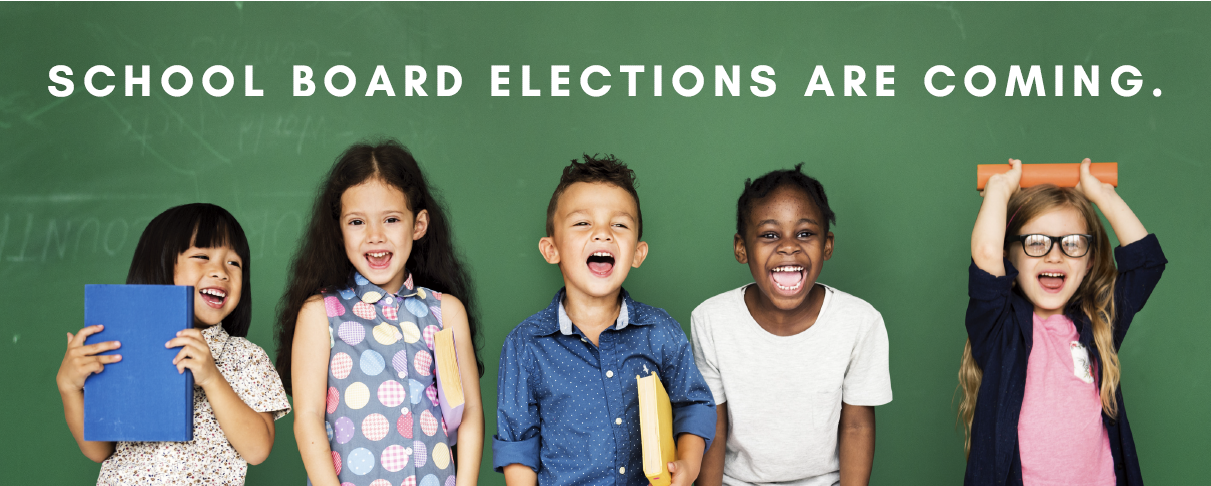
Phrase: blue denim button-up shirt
(1000, 325)
(570, 410)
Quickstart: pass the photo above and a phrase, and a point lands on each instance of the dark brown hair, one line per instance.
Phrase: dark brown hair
(198, 225)
(321, 262)
(606, 170)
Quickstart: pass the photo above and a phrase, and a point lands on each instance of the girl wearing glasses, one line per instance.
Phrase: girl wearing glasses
(1048, 312)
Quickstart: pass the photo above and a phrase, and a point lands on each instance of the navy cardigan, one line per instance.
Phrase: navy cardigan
(1000, 325)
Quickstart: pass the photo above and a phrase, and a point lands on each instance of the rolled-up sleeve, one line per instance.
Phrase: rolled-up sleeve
(517, 422)
(693, 404)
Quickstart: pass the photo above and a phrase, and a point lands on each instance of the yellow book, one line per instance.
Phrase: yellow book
(449, 382)
(656, 430)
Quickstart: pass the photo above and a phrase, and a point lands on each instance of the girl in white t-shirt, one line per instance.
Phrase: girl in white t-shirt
(790, 362)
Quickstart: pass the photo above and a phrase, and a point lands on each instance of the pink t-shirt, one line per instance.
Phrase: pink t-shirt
(1060, 434)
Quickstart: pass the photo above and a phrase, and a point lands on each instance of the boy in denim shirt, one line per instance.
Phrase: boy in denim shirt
(568, 406)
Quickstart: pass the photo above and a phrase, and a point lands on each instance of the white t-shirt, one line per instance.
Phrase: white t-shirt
(784, 393)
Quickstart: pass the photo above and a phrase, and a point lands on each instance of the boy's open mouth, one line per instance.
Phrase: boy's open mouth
(601, 264)
(213, 296)
(788, 278)
(379, 260)
(1051, 281)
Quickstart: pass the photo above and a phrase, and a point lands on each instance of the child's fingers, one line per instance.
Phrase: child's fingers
(69, 339)
(92, 349)
(78, 339)
(181, 355)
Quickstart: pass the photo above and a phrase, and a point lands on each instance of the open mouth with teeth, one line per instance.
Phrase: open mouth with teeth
(788, 278)
(378, 260)
(213, 297)
(1051, 281)
(601, 264)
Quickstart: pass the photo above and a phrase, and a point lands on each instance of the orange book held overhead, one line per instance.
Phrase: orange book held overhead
(1063, 175)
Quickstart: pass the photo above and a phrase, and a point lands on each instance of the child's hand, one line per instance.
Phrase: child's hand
(80, 361)
(1007, 183)
(195, 356)
(684, 472)
(1095, 190)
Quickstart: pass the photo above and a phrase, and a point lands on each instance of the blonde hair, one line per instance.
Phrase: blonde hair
(1094, 296)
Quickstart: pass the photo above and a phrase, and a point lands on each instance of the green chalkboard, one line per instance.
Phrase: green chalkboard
(81, 175)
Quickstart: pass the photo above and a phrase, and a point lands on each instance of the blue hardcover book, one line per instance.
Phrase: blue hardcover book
(142, 397)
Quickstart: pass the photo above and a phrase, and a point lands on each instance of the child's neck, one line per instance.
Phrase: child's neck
(781, 322)
(592, 314)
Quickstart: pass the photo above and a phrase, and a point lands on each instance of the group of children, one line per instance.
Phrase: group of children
(777, 384)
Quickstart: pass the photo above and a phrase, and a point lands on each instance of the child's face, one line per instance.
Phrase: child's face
(1050, 281)
(217, 277)
(378, 230)
(595, 239)
(785, 246)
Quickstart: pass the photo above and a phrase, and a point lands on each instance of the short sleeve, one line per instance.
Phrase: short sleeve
(517, 420)
(258, 383)
(867, 379)
(704, 354)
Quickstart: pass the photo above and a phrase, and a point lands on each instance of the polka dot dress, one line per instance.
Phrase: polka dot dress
(384, 421)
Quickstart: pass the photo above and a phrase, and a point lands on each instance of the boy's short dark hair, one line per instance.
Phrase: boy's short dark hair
(758, 189)
(605, 169)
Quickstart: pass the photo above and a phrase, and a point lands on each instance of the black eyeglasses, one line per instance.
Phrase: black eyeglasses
(1074, 246)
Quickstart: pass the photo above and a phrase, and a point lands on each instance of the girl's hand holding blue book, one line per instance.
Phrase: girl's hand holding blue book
(80, 360)
(194, 356)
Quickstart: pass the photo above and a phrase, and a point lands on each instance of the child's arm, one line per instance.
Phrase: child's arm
(1127, 227)
(309, 356)
(711, 473)
(988, 237)
(471, 430)
(856, 443)
(689, 460)
(78, 362)
(250, 432)
(520, 475)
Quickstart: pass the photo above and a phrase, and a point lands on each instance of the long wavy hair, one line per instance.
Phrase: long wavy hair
(1094, 297)
(321, 262)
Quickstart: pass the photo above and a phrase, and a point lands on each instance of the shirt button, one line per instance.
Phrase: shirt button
(618, 421)
(609, 374)
(622, 470)
(583, 340)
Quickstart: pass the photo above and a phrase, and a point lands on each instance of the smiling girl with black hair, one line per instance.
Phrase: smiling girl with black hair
(237, 393)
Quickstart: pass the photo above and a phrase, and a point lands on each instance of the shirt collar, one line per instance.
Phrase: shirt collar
(370, 293)
(563, 324)
(216, 337)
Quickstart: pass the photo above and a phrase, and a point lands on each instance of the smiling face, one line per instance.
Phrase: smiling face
(378, 230)
(217, 278)
(785, 246)
(595, 238)
(1050, 281)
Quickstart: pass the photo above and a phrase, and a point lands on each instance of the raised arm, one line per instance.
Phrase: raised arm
(309, 377)
(988, 237)
(1127, 227)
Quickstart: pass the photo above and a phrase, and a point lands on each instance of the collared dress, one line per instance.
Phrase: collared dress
(569, 409)
(382, 415)
(209, 458)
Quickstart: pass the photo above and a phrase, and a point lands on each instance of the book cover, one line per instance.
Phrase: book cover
(656, 430)
(142, 397)
(449, 382)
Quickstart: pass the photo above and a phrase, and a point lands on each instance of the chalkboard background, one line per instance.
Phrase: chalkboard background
(81, 176)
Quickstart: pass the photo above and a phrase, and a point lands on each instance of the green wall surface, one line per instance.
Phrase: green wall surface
(81, 175)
